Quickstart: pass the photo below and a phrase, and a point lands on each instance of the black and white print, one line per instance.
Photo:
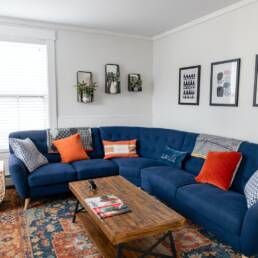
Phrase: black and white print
(84, 77)
(225, 83)
(112, 74)
(134, 82)
(189, 85)
(255, 97)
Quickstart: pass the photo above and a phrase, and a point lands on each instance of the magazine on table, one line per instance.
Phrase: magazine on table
(107, 205)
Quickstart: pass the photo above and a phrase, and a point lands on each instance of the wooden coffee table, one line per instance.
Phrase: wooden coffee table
(127, 235)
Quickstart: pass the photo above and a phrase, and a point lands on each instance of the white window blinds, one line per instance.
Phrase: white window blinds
(23, 88)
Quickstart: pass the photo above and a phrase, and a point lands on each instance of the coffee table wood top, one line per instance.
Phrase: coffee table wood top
(148, 217)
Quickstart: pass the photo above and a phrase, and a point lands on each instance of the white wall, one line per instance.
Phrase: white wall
(90, 52)
(78, 49)
(232, 35)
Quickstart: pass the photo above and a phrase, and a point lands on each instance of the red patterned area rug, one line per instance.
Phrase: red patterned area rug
(45, 230)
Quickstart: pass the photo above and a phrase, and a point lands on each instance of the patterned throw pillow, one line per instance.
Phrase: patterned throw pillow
(61, 133)
(28, 153)
(173, 157)
(251, 190)
(120, 149)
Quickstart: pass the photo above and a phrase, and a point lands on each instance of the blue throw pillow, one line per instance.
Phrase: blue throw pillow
(172, 157)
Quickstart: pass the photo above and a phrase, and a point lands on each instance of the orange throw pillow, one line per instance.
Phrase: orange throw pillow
(120, 149)
(219, 169)
(71, 148)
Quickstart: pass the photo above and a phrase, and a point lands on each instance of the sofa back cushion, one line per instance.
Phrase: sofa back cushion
(248, 166)
(98, 151)
(151, 142)
(191, 164)
(39, 138)
(120, 133)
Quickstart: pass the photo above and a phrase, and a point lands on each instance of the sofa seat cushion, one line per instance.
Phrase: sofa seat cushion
(94, 168)
(223, 208)
(52, 173)
(131, 167)
(164, 181)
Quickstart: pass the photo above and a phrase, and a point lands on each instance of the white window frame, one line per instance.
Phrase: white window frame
(40, 36)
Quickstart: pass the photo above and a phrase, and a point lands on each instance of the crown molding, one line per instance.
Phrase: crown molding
(56, 26)
(206, 18)
(26, 32)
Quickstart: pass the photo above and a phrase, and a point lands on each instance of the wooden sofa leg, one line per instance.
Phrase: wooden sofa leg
(26, 203)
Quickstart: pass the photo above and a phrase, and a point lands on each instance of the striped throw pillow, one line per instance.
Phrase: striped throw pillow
(120, 149)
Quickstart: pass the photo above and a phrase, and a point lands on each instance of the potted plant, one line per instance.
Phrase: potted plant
(85, 91)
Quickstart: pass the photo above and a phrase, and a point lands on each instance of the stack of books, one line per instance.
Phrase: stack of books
(107, 206)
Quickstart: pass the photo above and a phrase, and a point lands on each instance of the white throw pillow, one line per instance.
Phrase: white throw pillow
(251, 190)
(27, 152)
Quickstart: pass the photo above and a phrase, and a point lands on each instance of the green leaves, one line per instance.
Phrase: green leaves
(86, 88)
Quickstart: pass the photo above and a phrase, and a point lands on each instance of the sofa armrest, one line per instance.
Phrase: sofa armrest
(19, 175)
(249, 233)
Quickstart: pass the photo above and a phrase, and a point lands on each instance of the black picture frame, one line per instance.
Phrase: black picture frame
(84, 73)
(255, 99)
(195, 91)
(237, 79)
(137, 87)
(115, 69)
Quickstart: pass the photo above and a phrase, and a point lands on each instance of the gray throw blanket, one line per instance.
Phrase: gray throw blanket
(206, 143)
(60, 133)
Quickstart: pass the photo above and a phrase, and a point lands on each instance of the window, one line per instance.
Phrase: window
(23, 88)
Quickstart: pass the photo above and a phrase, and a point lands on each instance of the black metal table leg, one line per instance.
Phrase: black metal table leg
(172, 243)
(119, 251)
(149, 251)
(75, 211)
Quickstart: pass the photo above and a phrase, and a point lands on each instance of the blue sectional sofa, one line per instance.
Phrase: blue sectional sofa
(224, 213)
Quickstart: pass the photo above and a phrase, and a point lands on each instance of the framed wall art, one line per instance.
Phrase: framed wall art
(224, 83)
(189, 85)
(255, 97)
(134, 82)
(85, 87)
(112, 75)
(84, 77)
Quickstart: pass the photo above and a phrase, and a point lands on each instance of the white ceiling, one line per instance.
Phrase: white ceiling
(138, 17)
